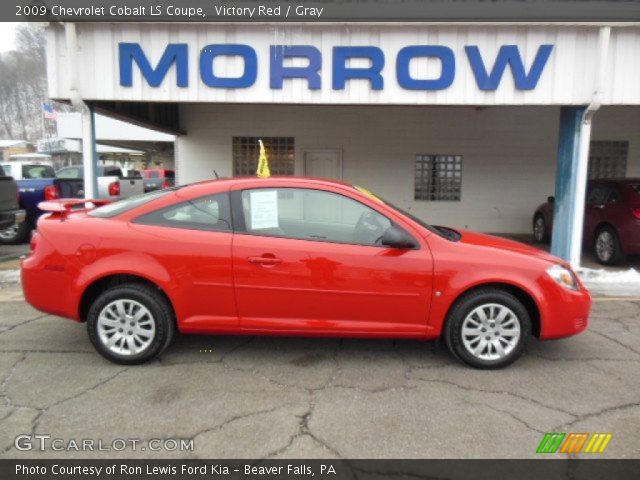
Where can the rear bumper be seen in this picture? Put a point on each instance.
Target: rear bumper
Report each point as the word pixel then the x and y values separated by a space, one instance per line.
pixel 564 312
pixel 11 218
pixel 47 282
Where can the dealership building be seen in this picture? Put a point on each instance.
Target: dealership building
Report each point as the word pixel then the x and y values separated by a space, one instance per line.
pixel 466 125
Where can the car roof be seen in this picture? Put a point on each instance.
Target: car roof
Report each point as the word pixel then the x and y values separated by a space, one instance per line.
pixel 254 181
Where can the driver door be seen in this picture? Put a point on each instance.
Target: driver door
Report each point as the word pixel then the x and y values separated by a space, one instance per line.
pixel 307 260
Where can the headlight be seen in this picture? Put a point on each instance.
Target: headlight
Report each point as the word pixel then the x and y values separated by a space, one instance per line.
pixel 563 276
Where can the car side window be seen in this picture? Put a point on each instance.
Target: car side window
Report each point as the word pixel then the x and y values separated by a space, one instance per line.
pixel 602 195
pixel 210 213
pixel 311 215
pixel 597 195
pixel 612 196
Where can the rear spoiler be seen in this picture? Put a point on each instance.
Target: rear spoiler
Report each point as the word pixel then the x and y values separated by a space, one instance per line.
pixel 63 207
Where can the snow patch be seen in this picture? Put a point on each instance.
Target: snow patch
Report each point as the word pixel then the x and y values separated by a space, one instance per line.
pixel 620 283
pixel 10 276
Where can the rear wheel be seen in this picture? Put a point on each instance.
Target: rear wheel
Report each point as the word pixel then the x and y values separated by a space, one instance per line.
pixel 488 328
pixel 17 234
pixel 130 323
pixel 607 247
pixel 540 233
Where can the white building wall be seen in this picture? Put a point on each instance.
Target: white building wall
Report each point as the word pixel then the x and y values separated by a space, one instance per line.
pixel 620 123
pixel 567 78
pixel 509 153
pixel 508 166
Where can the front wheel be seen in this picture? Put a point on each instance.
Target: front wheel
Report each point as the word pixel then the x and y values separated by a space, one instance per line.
pixel 488 328
pixel 130 323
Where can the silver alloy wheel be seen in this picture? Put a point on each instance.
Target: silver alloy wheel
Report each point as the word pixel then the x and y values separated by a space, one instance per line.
pixel 126 327
pixel 9 233
pixel 539 229
pixel 491 331
pixel 605 245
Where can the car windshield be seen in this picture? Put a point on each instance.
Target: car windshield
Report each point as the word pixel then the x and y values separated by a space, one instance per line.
pixel 636 187
pixel 122 206
pixel 443 232
pixel 31 172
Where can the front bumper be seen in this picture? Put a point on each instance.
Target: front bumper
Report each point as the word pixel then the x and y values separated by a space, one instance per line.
pixel 11 218
pixel 564 312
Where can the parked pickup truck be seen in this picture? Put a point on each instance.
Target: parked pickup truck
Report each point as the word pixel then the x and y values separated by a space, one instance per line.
pixel 158 179
pixel 112 182
pixel 36 182
pixel 11 216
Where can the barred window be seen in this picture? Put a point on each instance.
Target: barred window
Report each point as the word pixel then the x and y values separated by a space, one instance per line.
pixel 608 159
pixel 438 177
pixel 246 151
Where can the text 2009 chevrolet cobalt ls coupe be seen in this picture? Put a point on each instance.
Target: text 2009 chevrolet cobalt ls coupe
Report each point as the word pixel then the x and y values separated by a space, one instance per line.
pixel 291 256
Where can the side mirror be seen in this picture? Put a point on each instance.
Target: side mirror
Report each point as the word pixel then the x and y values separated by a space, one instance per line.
pixel 395 237
pixel 551 199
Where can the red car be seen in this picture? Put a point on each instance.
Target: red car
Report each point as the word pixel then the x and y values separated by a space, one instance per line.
pixel 291 256
pixel 611 220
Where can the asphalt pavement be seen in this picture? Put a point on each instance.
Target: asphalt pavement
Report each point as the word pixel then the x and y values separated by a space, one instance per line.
pixel 258 397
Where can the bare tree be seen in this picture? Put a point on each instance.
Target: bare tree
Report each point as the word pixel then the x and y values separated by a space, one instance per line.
pixel 23 86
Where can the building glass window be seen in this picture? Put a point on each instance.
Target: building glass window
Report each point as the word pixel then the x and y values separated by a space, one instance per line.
pixel 608 159
pixel 438 177
pixel 280 152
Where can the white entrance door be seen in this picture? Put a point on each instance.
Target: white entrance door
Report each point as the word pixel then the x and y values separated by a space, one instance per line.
pixel 323 163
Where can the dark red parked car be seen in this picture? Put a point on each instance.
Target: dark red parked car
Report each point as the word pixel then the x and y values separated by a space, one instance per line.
pixel 611 221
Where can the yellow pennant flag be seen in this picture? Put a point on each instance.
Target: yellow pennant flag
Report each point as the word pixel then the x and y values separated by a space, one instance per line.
pixel 263 163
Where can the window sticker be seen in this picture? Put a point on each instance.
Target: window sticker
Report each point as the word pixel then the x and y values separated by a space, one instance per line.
pixel 264 209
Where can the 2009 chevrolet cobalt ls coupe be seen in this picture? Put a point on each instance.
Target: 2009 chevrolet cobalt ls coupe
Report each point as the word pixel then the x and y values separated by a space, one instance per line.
pixel 291 256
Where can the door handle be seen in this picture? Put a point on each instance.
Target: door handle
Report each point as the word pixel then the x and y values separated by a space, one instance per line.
pixel 264 260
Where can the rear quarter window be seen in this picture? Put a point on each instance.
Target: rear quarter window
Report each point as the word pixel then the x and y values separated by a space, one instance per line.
pixel 122 206
pixel 211 213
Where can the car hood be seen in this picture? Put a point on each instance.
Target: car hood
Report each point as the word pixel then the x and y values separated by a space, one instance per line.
pixel 499 243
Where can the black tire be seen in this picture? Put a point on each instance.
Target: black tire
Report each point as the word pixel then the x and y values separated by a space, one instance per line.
pixel 465 305
pixel 616 255
pixel 540 232
pixel 160 311
pixel 15 236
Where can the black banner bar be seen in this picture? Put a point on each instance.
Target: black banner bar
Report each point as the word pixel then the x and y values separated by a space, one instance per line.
pixel 547 469
pixel 320 10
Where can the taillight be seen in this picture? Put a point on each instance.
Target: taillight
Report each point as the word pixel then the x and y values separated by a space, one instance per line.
pixel 636 212
pixel 166 184
pixel 51 192
pixel 114 189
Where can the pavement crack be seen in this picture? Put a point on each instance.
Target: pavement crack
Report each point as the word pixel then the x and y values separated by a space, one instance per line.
pixel 24 322
pixel 586 416
pixel 235 418
pixel 497 392
pixel 616 341
pixel 3 385
pixel 506 412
